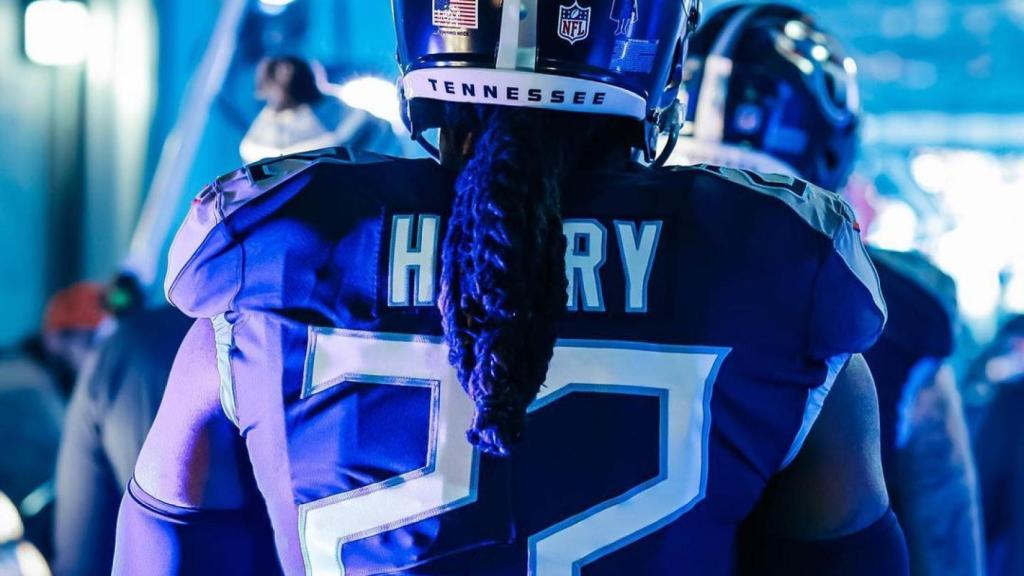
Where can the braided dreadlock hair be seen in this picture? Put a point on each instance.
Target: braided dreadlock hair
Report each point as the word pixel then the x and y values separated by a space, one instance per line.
pixel 503 284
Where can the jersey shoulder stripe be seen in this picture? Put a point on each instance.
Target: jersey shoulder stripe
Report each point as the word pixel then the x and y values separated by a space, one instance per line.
pixel 822 210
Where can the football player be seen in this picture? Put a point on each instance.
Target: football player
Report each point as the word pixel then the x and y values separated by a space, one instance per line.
pixel 770 90
pixel 535 356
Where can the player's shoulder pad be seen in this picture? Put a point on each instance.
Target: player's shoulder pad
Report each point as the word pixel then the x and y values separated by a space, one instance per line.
pixel 205 259
pixel 922 300
pixel 848 312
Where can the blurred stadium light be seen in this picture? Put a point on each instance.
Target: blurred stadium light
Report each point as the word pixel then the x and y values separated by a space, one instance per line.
pixel 30 561
pixel 1000 131
pixel 982 194
pixel 895 226
pixel 57 32
pixel 11 529
pixel 17 557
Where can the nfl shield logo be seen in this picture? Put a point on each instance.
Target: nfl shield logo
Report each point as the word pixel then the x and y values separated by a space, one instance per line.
pixel 573 22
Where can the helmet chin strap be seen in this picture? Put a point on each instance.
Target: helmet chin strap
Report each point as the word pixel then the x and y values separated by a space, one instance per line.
pixel 417 135
pixel 427 146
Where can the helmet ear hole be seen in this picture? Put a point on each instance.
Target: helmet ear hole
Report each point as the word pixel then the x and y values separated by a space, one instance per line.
pixel 836 90
pixel 831 158
pixel 830 88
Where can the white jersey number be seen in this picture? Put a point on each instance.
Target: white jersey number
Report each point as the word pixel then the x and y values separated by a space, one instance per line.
pixel 681 377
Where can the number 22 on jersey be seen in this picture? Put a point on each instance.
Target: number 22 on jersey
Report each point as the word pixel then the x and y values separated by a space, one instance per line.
pixel 680 377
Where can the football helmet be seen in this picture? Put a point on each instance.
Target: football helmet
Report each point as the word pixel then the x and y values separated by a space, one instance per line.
pixel 770 90
pixel 614 57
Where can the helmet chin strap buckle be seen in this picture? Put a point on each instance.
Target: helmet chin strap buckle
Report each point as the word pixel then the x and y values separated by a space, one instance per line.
pixel 669 122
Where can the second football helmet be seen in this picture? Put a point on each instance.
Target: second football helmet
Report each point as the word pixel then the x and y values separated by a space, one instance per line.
pixel 770 90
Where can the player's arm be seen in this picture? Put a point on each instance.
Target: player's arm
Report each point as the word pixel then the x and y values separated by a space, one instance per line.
pixel 828 512
pixel 937 485
pixel 190 508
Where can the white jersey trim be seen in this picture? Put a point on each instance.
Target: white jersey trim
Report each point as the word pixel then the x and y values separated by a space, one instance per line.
pixel 225 340
pixel 812 409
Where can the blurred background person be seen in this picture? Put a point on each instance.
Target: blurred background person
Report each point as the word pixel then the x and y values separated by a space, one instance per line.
pixel 772 91
pixel 35 381
pixel 110 412
pixel 300 116
pixel 998 377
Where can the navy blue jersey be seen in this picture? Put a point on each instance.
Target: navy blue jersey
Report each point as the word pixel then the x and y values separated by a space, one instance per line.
pixel 708 312
pixel 918 337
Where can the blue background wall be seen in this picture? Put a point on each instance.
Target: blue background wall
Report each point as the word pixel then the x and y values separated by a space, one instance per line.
pixel 24 172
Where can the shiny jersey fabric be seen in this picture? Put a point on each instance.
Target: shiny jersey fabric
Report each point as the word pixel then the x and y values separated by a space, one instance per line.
pixel 708 313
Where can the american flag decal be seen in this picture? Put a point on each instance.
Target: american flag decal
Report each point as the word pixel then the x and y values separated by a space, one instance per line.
pixel 456 14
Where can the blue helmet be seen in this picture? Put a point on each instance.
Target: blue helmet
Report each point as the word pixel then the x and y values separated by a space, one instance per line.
pixel 771 91
pixel 614 57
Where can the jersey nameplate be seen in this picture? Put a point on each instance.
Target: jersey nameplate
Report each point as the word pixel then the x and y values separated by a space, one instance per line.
pixel 415 241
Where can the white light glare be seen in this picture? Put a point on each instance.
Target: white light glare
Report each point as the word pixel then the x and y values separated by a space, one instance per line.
pixel 895 227
pixel 56 32
pixel 374 95
pixel 274 7
pixel 930 171
pixel 1013 300
pixel 11 529
pixel 980 192
pixel 796 30
pixel 850 65
pixel 30 560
